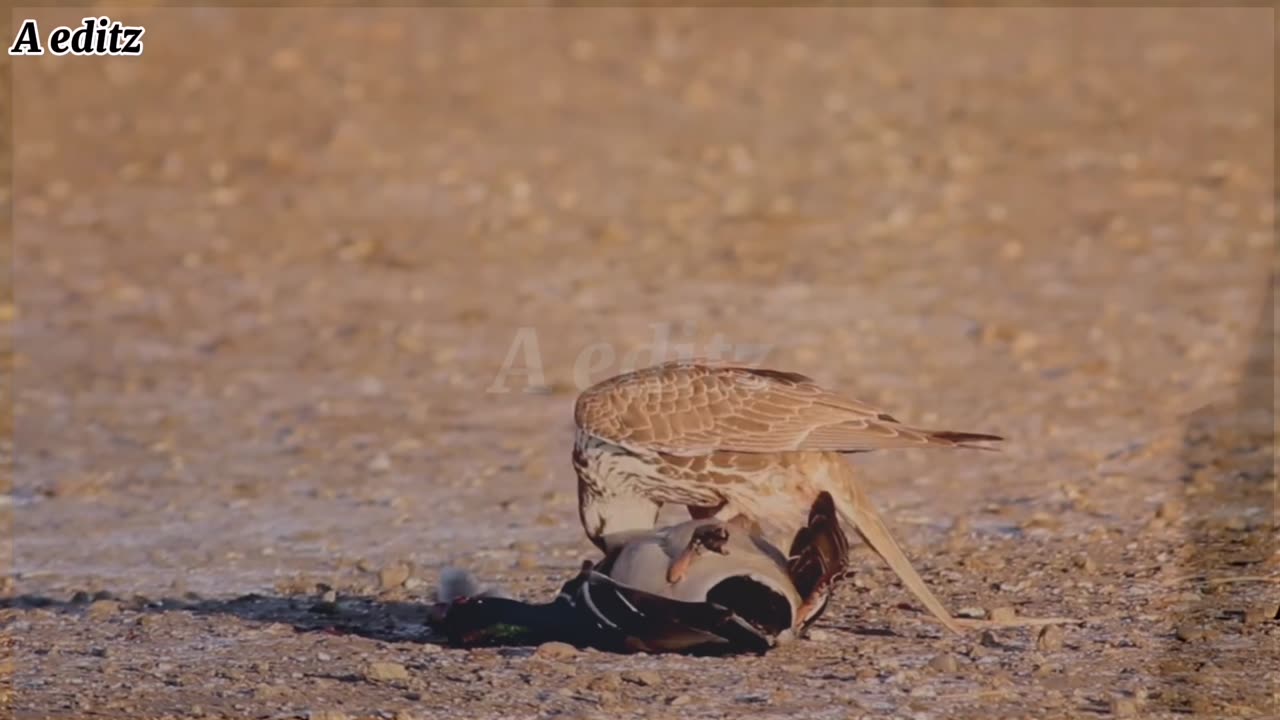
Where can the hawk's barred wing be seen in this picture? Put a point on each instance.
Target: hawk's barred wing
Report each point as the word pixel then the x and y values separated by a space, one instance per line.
pixel 687 408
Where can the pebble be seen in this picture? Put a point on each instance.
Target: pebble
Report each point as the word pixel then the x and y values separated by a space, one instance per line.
pixel 287 59
pixel 555 651
pixel 371 387
pixel 102 609
pixel 327 715
pixel 605 682
pixel 1004 614
pixel 974 613
pixel 385 672
pixel 1025 342
pixel 643 678
pixel 393 576
pixel 380 463
pixel 1050 638
pixel 1123 707
pixel 989 640
pixel 1191 633
pixel 946 662
pixel 678 700
pixel 736 203
pixel 1259 615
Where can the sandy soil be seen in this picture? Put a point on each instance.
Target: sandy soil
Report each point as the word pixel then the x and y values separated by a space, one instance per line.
pixel 267 277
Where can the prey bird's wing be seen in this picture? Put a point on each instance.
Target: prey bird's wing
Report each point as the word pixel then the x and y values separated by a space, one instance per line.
pixel 820 551
pixel 691 408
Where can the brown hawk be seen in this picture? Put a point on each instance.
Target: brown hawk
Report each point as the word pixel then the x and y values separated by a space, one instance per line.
pixel 730 441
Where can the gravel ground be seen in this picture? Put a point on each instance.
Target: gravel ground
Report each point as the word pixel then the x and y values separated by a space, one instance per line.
pixel 268 275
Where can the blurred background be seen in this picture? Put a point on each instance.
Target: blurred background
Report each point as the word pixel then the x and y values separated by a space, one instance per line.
pixel 269 279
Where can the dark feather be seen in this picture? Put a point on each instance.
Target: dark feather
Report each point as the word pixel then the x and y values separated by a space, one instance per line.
pixel 820 551
pixel 644 621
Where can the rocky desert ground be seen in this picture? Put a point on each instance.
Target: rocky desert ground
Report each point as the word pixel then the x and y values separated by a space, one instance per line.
pixel 301 299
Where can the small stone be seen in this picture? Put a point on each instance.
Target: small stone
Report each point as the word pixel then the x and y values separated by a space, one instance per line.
pixel 582 50
pixel 1259 615
pixel 371 386
pixel 225 196
pixel 1004 614
pixel 643 678
pixel 1236 524
pixel 393 576
pixel 327 715
pixel 1124 707
pixel 678 700
pixel 736 203
pixel 741 161
pixel 973 613
pixel 286 59
pixel 268 692
pixel 1087 564
pixel 555 651
pixel 1041 521
pixel 1025 342
pixel 1190 633
pixel 102 609
pixel 385 672
pixel 945 662
pixel 1049 639
pixel 380 463
pixel 606 682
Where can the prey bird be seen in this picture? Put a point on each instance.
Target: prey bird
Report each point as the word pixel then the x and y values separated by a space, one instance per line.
pixel 730 441
pixel 702 586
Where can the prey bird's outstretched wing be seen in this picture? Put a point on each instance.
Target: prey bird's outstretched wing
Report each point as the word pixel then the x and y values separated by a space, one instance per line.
pixel 691 408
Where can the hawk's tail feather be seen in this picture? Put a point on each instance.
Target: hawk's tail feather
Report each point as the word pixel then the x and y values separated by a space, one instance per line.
pixel 967 440
pixel 857 511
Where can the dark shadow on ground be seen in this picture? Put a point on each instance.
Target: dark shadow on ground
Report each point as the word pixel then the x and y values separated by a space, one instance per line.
pixel 385 620
pixel 1228 478
pixel 377 619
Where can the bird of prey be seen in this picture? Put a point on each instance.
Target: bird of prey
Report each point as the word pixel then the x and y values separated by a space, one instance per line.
pixel 726 441
pixel 702 586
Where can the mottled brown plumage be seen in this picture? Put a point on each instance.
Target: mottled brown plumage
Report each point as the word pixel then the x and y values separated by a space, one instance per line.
pixel 732 441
